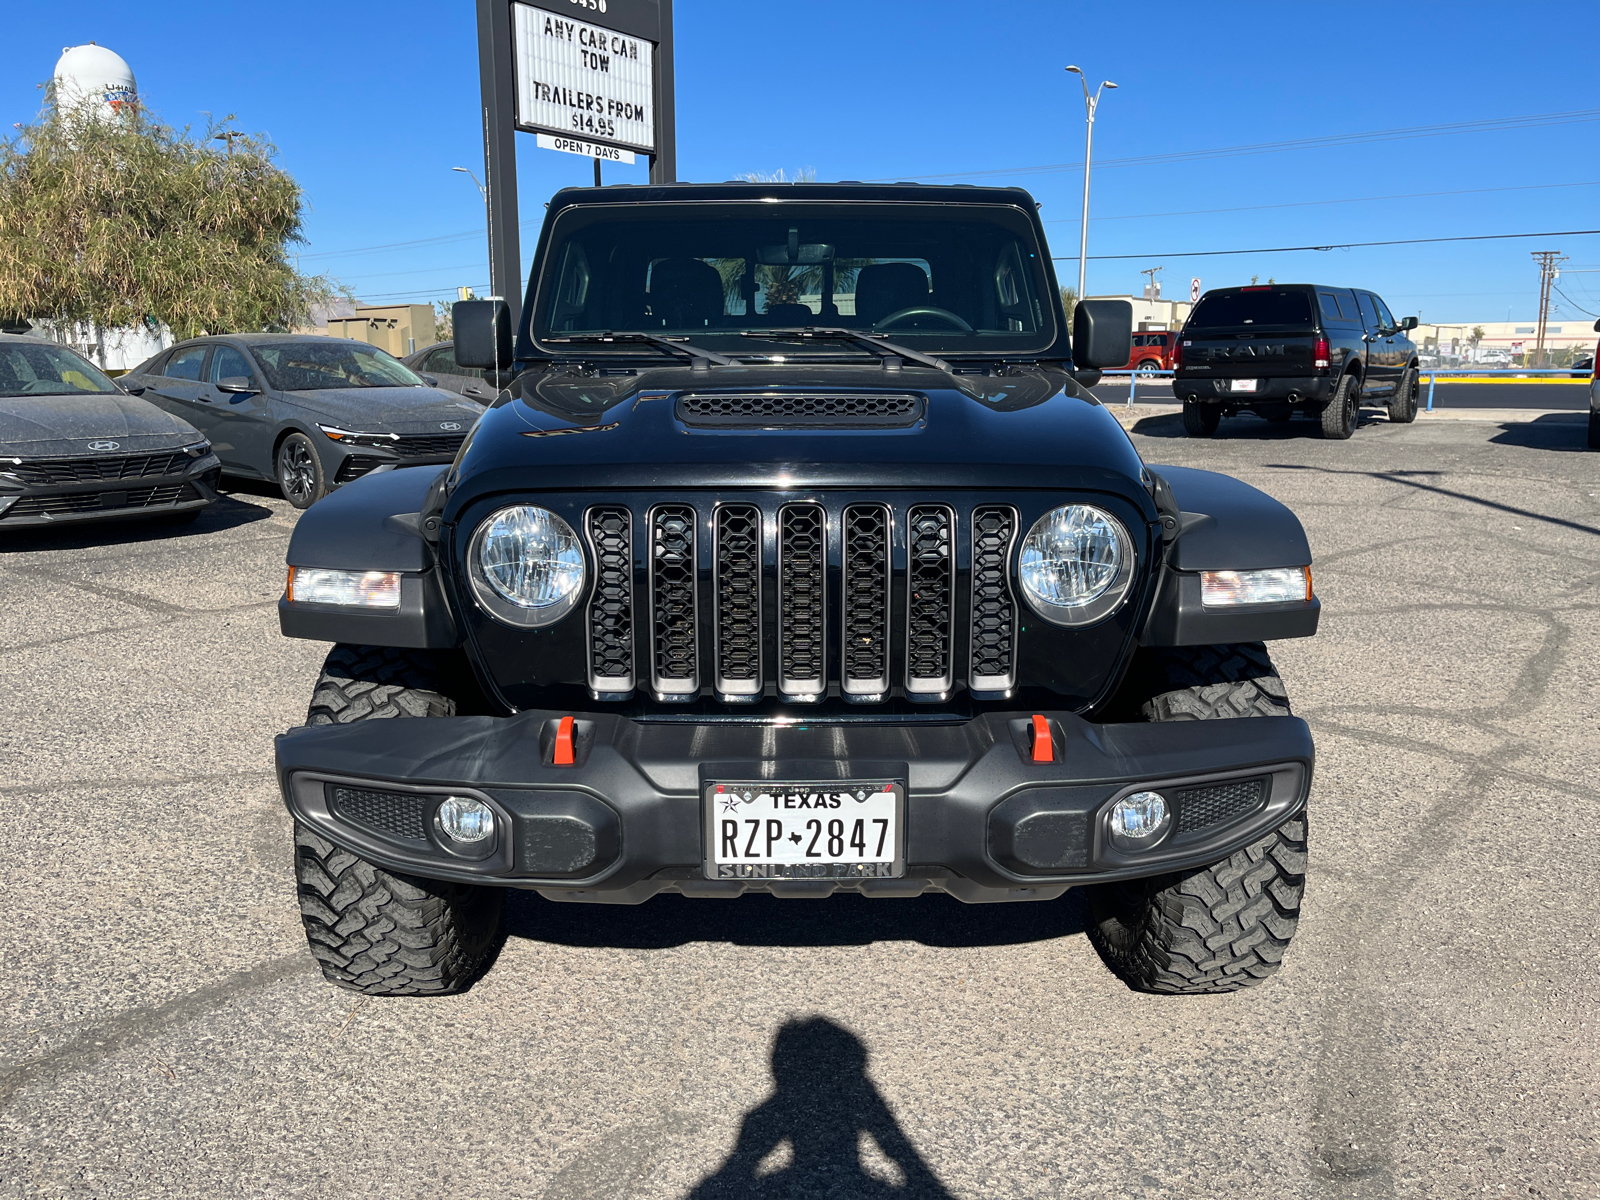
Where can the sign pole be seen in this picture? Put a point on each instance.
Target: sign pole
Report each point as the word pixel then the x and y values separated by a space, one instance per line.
pixel 497 84
pixel 664 162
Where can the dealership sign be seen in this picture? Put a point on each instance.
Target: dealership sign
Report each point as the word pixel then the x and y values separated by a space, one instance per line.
pixel 583 81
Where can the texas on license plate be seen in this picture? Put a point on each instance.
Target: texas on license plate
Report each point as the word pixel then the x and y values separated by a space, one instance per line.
pixel 1245 385
pixel 835 829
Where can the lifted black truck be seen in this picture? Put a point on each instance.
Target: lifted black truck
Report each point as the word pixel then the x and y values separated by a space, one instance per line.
pixel 793 558
pixel 1276 350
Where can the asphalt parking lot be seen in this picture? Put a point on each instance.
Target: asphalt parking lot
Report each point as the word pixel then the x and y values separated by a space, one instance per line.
pixel 1433 1033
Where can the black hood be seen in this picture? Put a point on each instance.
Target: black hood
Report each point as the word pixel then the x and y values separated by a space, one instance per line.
pixel 64 426
pixel 403 410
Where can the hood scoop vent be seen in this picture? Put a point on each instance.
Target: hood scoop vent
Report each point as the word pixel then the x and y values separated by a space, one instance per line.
pixel 789 410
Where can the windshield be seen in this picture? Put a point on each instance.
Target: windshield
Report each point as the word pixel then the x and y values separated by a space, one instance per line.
pixel 46 370
pixel 937 278
pixel 311 366
pixel 1251 307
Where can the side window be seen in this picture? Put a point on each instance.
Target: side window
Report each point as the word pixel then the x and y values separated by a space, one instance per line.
pixel 1369 315
pixel 186 364
pixel 1331 312
pixel 442 361
pixel 227 363
pixel 1383 314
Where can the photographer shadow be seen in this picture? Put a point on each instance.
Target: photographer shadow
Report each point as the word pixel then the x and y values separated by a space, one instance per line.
pixel 823 1107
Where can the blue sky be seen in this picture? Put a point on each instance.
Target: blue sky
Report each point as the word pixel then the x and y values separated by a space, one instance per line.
pixel 371 105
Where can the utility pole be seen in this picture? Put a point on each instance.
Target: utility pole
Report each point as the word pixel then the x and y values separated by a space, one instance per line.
pixel 1090 103
pixel 1549 269
pixel 1152 290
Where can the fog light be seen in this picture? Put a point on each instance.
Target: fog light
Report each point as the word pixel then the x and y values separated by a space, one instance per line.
pixel 463 819
pixel 1138 820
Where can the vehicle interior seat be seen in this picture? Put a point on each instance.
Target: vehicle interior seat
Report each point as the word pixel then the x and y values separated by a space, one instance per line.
pixel 685 293
pixel 884 288
pixel 782 316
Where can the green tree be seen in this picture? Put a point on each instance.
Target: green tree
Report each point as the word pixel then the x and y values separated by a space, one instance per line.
pixel 115 221
pixel 1069 301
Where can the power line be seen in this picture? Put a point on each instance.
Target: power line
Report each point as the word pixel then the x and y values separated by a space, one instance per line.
pixel 1202 212
pixel 1478 237
pixel 1574 303
pixel 443 237
pixel 1575 116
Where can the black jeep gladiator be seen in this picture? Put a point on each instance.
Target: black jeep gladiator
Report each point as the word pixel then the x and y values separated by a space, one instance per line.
pixel 792 557
pixel 1294 347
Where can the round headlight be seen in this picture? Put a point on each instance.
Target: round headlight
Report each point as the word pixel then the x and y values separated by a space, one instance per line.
pixel 1076 564
pixel 526 566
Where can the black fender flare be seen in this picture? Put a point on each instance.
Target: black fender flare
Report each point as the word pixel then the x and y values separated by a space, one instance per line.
pixel 374 523
pixel 1215 522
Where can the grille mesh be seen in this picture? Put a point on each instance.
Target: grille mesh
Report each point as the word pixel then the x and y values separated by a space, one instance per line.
pixel 429 446
pixel 866 596
pixel 1213 803
pixel 395 814
pixel 672 598
pixel 739 596
pixel 355 467
pixel 993 607
pixel 79 502
pixel 611 605
pixel 802 533
pixel 763 409
pixel 93 470
pixel 929 591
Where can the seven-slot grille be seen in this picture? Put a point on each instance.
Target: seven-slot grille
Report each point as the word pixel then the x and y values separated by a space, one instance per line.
pixel 769 613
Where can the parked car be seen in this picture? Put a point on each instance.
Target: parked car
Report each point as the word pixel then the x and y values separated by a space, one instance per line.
pixel 880 601
pixel 1152 350
pixel 1299 347
pixel 1594 396
pixel 311 413
pixel 1583 368
pixel 437 363
pixel 76 447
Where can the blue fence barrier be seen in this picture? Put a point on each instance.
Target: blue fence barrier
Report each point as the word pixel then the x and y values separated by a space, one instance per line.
pixel 1511 376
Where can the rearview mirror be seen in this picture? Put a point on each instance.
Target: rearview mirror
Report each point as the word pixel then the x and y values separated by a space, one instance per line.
pixel 1102 333
pixel 482 333
pixel 239 384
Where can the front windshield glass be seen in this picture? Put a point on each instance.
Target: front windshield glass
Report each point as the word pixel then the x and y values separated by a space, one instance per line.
pixel 940 279
pixel 46 370
pixel 311 366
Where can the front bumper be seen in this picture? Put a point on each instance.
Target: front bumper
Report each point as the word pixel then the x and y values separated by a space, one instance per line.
pixel 103 499
pixel 1311 389
pixel 983 821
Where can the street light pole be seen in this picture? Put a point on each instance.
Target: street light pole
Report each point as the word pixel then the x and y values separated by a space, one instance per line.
pixel 1090 103
pixel 487 216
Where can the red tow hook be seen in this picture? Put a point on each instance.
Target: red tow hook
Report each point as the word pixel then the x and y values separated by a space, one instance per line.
pixel 563 756
pixel 1043 749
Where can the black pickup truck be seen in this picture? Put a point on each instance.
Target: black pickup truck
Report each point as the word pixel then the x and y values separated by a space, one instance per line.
pixel 1294 347
pixel 793 558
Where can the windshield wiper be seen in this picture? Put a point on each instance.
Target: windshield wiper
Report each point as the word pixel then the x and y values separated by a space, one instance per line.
pixel 890 352
pixel 697 354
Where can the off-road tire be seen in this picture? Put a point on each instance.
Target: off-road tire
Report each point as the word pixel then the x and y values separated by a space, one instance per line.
pixel 1226 926
pixel 1403 404
pixel 1339 417
pixel 373 930
pixel 385 934
pixel 1594 430
pixel 1201 420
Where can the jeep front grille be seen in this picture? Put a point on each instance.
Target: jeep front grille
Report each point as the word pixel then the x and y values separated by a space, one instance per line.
pixel 674 612
pixel 746 597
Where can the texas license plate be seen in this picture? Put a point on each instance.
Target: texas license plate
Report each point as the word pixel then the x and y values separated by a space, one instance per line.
pixel 1245 385
pixel 837 829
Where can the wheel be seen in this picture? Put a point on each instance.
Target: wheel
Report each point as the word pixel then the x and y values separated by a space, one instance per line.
pixel 1339 417
pixel 1148 367
pixel 1200 420
pixel 1226 926
pixel 1403 404
pixel 300 471
pixel 1594 430
pixel 372 930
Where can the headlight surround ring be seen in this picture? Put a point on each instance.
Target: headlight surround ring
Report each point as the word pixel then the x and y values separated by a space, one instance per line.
pixel 1076 565
pixel 526 566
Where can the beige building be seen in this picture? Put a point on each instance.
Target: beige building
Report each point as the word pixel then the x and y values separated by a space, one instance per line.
pixel 1500 338
pixel 397 328
pixel 1154 314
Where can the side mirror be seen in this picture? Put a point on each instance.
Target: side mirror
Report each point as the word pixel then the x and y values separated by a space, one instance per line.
pixel 1087 377
pixel 482 333
pixel 133 389
pixel 1408 323
pixel 236 383
pixel 1102 333
pixel 430 380
pixel 1597 326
